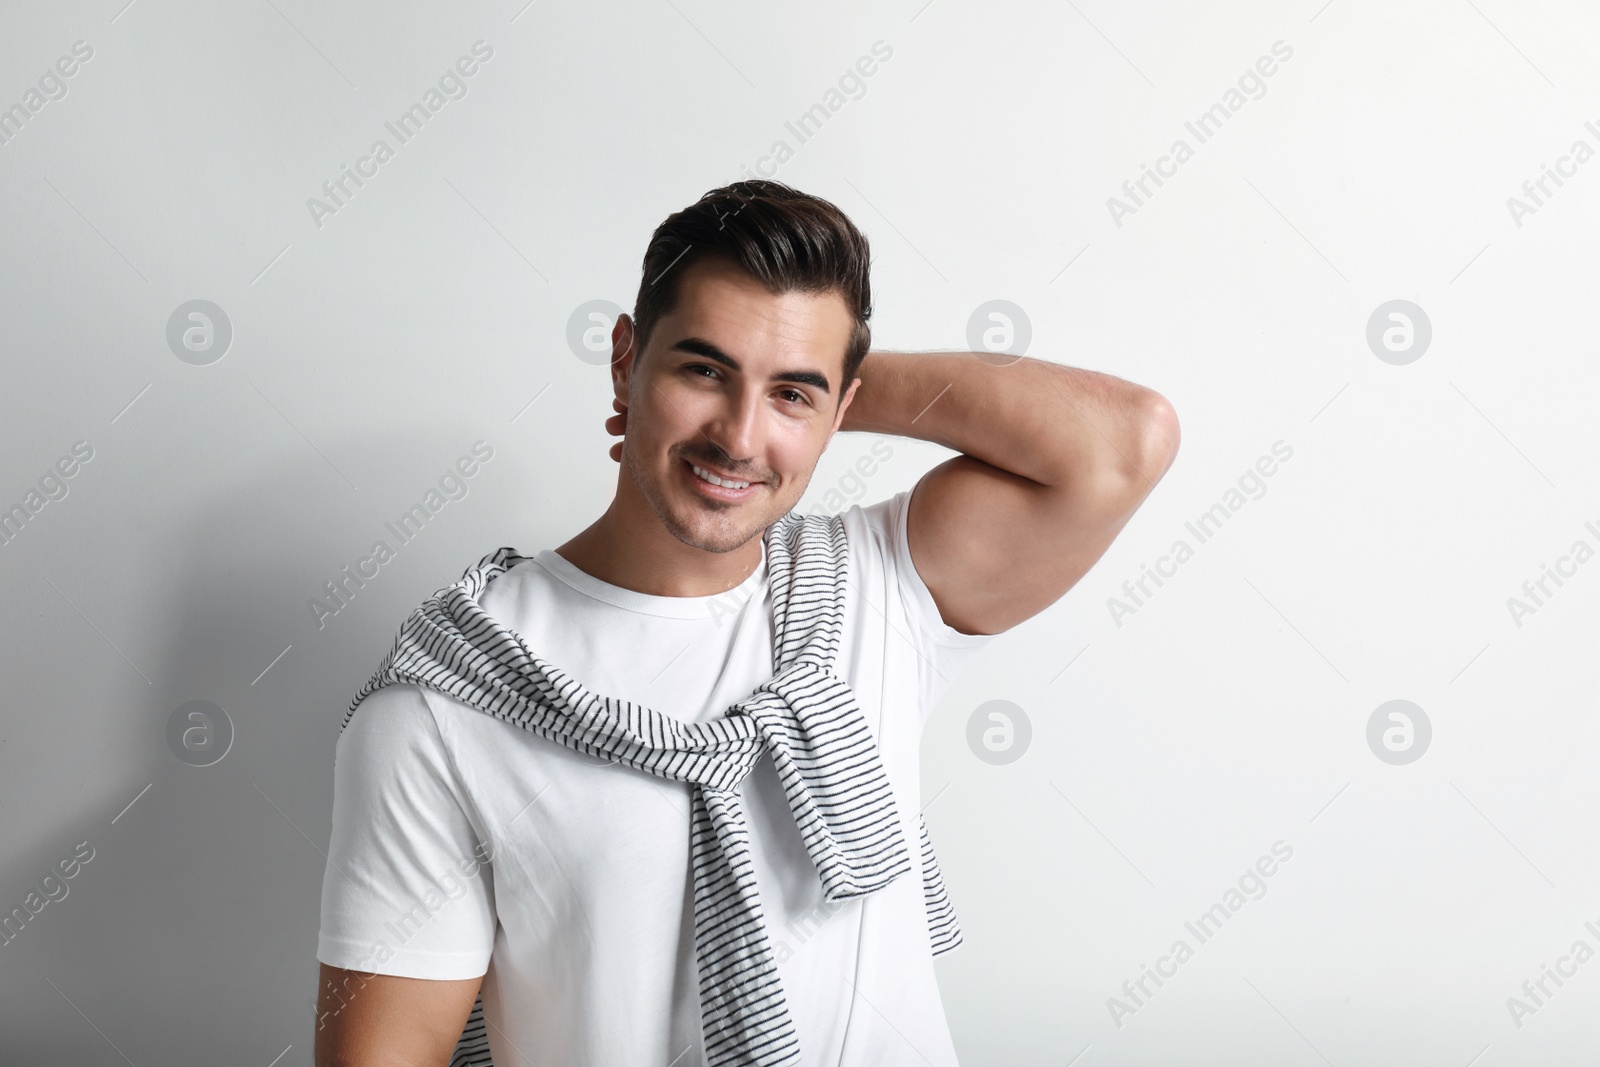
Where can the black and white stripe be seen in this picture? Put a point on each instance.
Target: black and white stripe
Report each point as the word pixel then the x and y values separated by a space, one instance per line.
pixel 805 718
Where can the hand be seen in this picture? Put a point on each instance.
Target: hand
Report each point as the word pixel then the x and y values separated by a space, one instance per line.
pixel 618 425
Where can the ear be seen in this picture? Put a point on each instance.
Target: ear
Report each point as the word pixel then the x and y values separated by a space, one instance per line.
pixel 623 355
pixel 844 405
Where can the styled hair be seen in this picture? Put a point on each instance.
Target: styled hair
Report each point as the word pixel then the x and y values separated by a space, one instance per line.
pixel 785 239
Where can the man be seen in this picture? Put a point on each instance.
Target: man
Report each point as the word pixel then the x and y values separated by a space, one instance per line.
pixel 472 858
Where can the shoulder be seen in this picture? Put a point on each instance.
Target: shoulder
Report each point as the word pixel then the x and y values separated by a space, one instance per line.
pixel 387 711
pixel 396 762
pixel 396 728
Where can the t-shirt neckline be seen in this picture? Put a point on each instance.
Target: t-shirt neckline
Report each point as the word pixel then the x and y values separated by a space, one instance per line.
pixel 672 607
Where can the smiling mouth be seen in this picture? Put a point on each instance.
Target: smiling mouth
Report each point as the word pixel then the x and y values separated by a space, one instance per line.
pixel 720 486
pixel 720 479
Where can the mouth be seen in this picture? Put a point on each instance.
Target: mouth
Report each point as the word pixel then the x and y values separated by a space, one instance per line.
pixel 732 490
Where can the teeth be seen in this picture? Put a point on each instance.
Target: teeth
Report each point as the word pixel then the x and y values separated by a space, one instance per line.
pixel 714 480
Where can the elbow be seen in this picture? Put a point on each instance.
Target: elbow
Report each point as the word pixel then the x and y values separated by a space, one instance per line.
pixel 1145 451
pixel 1159 438
pixel 1122 457
pixel 1135 460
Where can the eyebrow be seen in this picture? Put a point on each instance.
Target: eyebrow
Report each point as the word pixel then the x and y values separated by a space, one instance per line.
pixel 701 347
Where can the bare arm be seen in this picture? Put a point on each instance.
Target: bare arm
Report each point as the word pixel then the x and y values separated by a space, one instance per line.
pixel 1055 461
pixel 380 1020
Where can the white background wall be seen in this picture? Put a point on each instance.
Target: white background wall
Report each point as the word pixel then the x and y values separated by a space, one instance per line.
pixel 1168 752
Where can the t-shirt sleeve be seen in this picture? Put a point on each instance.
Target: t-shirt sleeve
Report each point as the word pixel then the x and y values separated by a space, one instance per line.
pixel 407 890
pixel 942 651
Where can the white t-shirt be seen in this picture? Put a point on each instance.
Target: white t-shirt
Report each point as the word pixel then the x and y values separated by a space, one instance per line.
pixel 583 920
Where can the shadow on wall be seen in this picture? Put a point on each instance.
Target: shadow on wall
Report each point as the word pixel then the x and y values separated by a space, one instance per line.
pixel 189 936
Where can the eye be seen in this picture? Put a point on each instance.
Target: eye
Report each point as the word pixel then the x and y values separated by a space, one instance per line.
pixel 699 366
pixel 798 395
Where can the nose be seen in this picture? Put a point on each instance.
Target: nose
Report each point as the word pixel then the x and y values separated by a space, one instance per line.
pixel 735 434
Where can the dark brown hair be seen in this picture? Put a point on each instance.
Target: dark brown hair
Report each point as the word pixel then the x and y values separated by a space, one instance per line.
pixel 785 239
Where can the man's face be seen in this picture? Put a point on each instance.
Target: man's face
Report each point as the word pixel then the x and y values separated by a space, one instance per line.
pixel 738 382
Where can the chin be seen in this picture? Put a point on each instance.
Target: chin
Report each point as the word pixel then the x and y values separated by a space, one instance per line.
pixel 722 522
pixel 720 530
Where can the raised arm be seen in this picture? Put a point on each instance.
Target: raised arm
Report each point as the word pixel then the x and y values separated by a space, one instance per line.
pixel 1055 460
pixel 380 1020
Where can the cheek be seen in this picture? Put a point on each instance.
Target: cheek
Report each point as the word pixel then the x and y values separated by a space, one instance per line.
pixel 660 418
pixel 794 454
